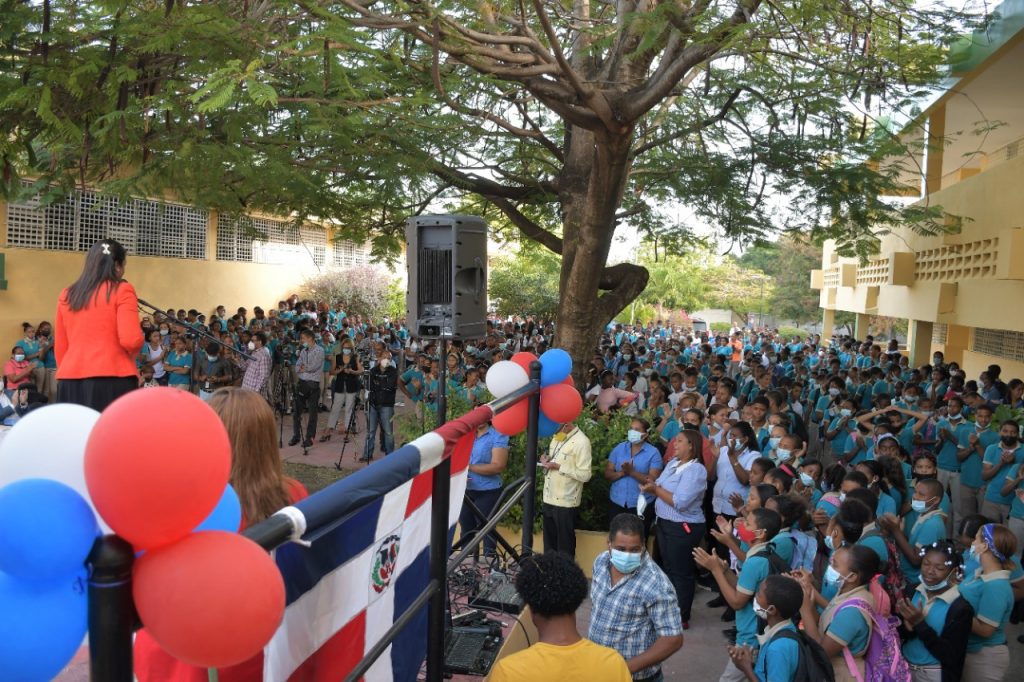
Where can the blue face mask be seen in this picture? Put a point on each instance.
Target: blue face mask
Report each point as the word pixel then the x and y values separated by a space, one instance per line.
pixel 937 586
pixel 971 562
pixel 626 562
pixel 918 505
pixel 634 436
pixel 773 443
pixel 783 454
pixel 807 479
pixel 830 544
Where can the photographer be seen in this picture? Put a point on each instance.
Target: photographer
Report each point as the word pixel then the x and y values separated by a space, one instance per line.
pixel 309 368
pixel 382 382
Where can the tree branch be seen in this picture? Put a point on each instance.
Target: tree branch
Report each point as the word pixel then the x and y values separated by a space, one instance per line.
pixel 527 227
pixel 699 125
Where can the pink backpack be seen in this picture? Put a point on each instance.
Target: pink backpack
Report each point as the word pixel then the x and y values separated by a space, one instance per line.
pixel 883 660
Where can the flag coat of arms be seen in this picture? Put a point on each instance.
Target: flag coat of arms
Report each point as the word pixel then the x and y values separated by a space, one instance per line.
pixel 362 572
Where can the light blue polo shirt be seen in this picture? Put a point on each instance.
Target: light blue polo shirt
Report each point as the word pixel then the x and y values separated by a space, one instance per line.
pixel 992 456
pixel 779 658
pixel 755 570
pixel 850 627
pixel 970 468
pixel 929 528
pixel 935 611
pixel 991 597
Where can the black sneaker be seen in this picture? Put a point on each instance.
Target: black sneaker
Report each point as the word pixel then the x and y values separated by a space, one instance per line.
pixel 729 616
pixel 717 602
pixel 294 441
pixel 307 444
pixel 730 634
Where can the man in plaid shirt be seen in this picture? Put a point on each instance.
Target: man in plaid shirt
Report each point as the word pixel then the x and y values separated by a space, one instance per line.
pixel 634 608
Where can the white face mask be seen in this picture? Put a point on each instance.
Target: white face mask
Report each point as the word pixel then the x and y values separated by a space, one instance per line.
pixel 252 345
pixel 385 363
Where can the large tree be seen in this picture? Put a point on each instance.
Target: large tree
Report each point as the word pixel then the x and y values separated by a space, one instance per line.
pixel 571 119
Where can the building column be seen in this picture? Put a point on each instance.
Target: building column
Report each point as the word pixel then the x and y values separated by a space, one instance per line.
pixel 860 326
pixel 935 143
pixel 958 340
pixel 919 342
pixel 828 324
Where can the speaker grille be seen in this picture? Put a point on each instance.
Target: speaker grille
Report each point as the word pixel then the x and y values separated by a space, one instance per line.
pixel 435 276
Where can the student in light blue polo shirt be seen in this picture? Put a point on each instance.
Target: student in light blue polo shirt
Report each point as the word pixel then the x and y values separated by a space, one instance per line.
pixel 990 594
pixel 999 460
pixel 938 618
pixel 777 601
pixel 930 527
pixel 483 482
pixel 973 440
pixel 631 463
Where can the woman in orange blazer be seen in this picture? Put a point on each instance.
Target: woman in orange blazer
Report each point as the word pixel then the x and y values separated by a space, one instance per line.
pixel 97 329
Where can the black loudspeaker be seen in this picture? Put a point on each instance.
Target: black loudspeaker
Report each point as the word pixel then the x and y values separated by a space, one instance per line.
pixel 447 260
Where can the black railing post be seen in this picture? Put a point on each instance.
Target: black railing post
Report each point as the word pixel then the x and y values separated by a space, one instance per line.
pixel 530 465
pixel 111 610
pixel 440 491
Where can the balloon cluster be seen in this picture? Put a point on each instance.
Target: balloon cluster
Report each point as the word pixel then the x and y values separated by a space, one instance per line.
pixel 560 402
pixel 154 469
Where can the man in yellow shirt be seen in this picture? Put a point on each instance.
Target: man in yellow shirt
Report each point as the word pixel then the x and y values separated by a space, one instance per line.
pixel 553 586
pixel 566 468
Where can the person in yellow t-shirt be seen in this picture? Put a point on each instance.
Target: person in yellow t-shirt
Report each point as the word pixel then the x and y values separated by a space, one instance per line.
pixel 553 586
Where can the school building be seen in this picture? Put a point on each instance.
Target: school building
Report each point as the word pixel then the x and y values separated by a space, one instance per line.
pixel 179 256
pixel 962 292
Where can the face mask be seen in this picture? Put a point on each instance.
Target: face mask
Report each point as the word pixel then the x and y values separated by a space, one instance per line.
pixel 1009 441
pixel 560 436
pixel 164 332
pixel 829 543
pixel 924 477
pixel 634 436
pixel 783 454
pixel 979 427
pixel 19 357
pixel 252 345
pixel 937 586
pixel 910 399
pixel 834 392
pixel 807 480
pixel 773 443
pixel 748 536
pixel 760 611
pixel 918 505
pixel 212 358
pixel 832 577
pixel 626 562
pixel 955 417
pixel 845 412
pixel 43 334
pixel 641 504
pixel 346 351
pixel 627 356
pixel 842 497
pixel 385 363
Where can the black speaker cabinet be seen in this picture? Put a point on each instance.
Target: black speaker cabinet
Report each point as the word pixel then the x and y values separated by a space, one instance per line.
pixel 447 259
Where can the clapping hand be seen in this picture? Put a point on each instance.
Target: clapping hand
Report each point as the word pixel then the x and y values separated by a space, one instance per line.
pixel 911 614
pixel 648 486
pixel 710 562
pixel 742 657
pixel 736 500
pixel 627 468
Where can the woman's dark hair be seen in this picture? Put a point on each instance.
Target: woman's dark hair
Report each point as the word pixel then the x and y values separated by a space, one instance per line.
pixel 25 326
pixel 767 520
pixel 785 594
pixel 551 584
pixel 792 509
pixel 779 474
pixel 876 470
pixel 851 518
pixel 101 263
pixel 833 476
pixel 747 432
pixel 765 492
pixel 696 442
pixel 865 562
pixel 893 470
pixel 970 524
pixel 866 496
pixel 947 548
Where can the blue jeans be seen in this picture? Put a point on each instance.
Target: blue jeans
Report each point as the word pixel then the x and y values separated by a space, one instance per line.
pixel 379 415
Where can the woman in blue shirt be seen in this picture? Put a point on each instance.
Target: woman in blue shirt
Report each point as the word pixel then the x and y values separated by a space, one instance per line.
pixel 937 618
pixel 178 364
pixel 483 483
pixel 989 593
pixel 679 494
pixel 629 465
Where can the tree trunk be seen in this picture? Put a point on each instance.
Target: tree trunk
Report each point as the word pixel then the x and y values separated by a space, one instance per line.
pixel 592 183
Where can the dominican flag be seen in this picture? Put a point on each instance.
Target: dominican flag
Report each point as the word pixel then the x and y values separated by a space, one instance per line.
pixel 363 571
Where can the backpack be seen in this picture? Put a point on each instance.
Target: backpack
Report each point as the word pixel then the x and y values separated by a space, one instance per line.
pixel 883 660
pixel 776 564
pixel 814 664
pixel 894 582
pixel 804 550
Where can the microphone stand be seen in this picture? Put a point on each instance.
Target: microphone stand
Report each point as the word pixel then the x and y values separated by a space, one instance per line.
pixel 151 309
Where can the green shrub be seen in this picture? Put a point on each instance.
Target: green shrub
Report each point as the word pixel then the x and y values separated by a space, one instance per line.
pixel 793 331
pixel 720 327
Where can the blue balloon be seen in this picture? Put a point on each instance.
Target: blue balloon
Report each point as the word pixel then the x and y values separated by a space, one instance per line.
pixel 47 530
pixel 555 366
pixel 42 625
pixel 227 515
pixel 545 427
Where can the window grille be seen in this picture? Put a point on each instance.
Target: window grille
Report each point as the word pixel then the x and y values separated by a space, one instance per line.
pixel 939 332
pixel 81 218
pixel 348 254
pixel 270 242
pixel 1000 343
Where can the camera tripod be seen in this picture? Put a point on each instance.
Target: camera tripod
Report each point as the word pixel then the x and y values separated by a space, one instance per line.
pixel 349 429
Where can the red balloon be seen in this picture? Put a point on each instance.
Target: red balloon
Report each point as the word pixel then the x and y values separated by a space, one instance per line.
pixel 568 381
pixel 513 420
pixel 156 464
pixel 561 403
pixel 523 359
pixel 213 599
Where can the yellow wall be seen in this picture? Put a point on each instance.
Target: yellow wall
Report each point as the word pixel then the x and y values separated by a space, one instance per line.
pixel 976 363
pixel 36 277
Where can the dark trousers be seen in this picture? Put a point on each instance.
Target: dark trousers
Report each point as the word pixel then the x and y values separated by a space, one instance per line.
pixel 484 500
pixel 307 399
pixel 616 509
pixel 560 529
pixel 677 547
pixel 97 392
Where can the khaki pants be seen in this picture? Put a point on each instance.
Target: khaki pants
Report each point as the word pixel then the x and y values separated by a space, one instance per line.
pixel 49 387
pixel 970 501
pixel 1016 527
pixel 987 665
pixel 951 480
pixel 734 674
pixel 926 673
pixel 995 511
pixel 842 670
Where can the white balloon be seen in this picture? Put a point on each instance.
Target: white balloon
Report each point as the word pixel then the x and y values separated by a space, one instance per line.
pixel 50 443
pixel 504 377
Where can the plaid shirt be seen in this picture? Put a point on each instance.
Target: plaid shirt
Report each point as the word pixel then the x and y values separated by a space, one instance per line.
pixel 630 615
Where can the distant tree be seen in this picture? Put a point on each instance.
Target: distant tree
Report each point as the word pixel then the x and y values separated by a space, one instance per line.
pixel 788 262
pixel 525 283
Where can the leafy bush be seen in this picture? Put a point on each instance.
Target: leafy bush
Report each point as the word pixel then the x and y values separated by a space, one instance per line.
pixel 362 290
pixel 793 331
pixel 720 327
pixel 1006 413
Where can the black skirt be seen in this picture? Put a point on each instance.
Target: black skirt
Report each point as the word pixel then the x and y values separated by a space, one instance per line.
pixel 95 392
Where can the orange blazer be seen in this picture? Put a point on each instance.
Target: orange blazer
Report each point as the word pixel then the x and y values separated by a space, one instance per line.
pixel 100 340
